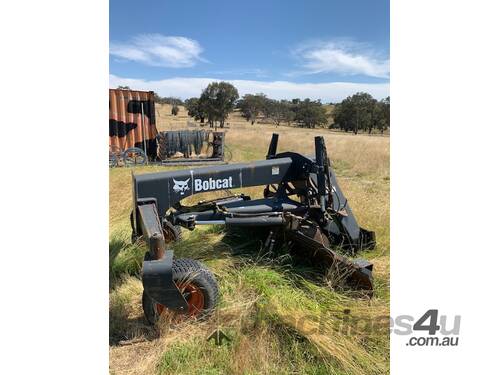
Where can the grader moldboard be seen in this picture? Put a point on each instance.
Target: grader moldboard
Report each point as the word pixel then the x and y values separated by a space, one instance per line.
pixel 302 200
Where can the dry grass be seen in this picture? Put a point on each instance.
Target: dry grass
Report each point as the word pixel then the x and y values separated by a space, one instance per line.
pixel 281 320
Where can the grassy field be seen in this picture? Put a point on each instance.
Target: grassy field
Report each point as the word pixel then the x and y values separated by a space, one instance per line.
pixel 281 318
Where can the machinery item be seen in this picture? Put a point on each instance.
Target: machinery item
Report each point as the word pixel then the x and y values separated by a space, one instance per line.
pixel 218 145
pixel 194 145
pixel 134 156
pixel 114 156
pixel 301 199
pixel 196 283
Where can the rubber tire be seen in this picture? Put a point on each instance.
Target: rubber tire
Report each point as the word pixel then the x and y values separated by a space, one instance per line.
pixel 136 150
pixel 199 275
pixel 174 230
pixel 113 161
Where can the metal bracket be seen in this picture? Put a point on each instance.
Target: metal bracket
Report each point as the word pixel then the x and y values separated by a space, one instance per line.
pixel 159 285
pixel 157 277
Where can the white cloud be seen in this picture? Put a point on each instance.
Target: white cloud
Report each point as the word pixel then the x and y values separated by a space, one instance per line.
pixel 340 57
pixel 159 50
pixel 189 87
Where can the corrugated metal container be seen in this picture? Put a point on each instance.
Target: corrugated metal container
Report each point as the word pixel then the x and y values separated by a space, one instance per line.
pixel 132 120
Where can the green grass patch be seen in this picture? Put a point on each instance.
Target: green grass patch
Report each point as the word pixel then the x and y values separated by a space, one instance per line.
pixel 281 316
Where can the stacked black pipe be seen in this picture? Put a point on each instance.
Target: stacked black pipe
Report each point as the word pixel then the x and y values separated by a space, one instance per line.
pixel 184 141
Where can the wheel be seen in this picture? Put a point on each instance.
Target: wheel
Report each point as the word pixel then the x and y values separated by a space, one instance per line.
pixel 196 283
pixel 172 233
pixel 113 161
pixel 114 156
pixel 134 156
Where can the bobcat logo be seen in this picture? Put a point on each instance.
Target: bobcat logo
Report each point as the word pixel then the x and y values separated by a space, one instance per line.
pixel 181 186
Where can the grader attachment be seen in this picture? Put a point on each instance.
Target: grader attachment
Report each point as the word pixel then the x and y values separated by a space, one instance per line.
pixel 301 199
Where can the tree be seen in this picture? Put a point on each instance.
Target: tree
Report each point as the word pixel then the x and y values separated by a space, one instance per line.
pixel 310 113
pixel 356 112
pixel 194 108
pixel 123 88
pixel 385 109
pixel 251 106
pixel 218 100
pixel 294 106
pixel 279 111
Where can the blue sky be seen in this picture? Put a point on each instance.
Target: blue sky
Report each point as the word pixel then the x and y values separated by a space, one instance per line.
pixel 319 49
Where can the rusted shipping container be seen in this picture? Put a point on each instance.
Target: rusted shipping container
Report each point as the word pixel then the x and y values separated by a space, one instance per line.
pixel 132 120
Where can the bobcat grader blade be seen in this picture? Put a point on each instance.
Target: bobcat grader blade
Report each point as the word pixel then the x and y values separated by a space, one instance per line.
pixel 301 199
pixel 354 273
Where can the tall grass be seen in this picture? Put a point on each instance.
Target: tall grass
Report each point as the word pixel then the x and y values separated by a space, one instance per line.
pixel 281 319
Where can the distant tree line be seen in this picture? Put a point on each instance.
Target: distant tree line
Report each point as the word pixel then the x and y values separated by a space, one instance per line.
pixel 168 100
pixel 361 112
pixel 357 113
pixel 219 99
pixel 304 113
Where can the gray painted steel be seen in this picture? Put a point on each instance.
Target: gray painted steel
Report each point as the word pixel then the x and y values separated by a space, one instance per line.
pixel 161 185
pixel 306 203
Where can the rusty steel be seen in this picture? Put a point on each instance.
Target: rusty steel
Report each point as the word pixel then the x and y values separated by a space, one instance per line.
pixel 132 120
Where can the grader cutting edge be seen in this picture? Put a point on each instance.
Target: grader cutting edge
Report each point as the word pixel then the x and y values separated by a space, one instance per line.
pixel 301 202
